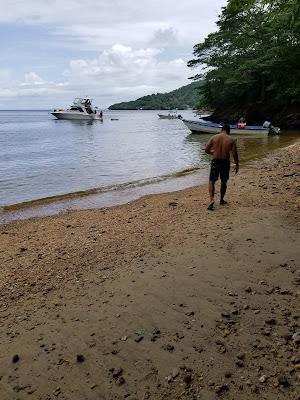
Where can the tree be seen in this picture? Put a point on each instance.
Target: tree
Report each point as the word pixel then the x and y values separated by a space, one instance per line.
pixel 252 61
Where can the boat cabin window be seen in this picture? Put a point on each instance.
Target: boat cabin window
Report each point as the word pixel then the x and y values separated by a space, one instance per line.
pixel 74 108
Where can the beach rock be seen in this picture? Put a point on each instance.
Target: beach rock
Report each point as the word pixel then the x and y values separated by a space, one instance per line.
pixel 187 377
pixel 225 314
pixel 169 347
pixel 120 381
pixel 296 278
pixel 240 364
pixel 175 372
pixel 116 372
pixel 138 339
pixel 15 358
pixel 283 381
pixel 221 388
pixel 80 358
pixel 263 379
pixel 270 321
pixel 296 338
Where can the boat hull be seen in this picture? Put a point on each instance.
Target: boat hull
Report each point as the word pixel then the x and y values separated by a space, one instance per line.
pixel 161 116
pixel 209 128
pixel 76 116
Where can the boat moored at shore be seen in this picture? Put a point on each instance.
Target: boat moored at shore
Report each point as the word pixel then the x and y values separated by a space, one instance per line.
pixel 81 109
pixel 170 115
pixel 207 127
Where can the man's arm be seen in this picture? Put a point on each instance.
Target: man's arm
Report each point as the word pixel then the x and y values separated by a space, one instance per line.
pixel 235 156
pixel 209 146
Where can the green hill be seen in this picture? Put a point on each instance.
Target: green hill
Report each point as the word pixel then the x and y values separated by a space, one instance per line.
pixel 182 98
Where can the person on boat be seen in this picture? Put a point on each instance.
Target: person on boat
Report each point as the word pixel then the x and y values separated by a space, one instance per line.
pixel 220 146
pixel 241 123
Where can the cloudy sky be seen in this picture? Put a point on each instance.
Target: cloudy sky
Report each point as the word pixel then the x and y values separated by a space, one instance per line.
pixel 111 50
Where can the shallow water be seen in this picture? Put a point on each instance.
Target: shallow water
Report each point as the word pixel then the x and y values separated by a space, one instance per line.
pixel 72 164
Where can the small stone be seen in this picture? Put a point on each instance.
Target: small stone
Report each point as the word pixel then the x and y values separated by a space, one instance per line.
pixel 139 339
pixel 239 364
pixel 221 388
pixel 296 338
pixel 169 347
pixel 80 358
pixel 241 356
pixel 175 372
pixel 190 313
pixel 263 379
pixel 248 289
pixel 15 358
pixel 225 314
pixel 228 374
pixel 267 331
pixel 271 321
pixel 187 378
pixel 120 381
pixel 283 381
pixel 116 372
pixel 57 391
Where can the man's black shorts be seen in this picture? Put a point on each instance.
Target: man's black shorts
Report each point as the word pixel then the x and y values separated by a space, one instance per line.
pixel 219 167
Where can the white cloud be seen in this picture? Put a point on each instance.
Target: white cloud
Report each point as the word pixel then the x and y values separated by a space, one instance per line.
pixel 123 67
pixel 113 50
pixel 105 22
pixel 120 73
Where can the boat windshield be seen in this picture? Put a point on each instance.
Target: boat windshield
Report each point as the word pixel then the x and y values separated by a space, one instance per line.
pixel 75 108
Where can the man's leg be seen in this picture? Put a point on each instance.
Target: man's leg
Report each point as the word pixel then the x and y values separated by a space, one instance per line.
pixel 223 192
pixel 211 189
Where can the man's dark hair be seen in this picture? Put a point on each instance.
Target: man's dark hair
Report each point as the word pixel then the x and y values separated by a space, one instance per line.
pixel 226 128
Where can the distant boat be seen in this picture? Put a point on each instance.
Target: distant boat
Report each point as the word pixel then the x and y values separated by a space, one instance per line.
pixel 81 109
pixel 170 115
pixel 201 126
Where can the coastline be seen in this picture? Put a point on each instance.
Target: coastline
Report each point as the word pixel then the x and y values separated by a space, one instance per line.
pixel 200 289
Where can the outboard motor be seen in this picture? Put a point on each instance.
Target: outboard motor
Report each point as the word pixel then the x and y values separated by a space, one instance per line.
pixel 273 130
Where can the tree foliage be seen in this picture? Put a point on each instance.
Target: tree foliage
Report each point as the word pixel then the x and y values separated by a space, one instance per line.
pixel 182 98
pixel 253 58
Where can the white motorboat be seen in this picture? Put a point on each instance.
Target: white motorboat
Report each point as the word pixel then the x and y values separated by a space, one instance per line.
pixel 170 115
pixel 202 126
pixel 81 109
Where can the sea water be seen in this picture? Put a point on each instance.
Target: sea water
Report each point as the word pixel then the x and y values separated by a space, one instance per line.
pixel 84 164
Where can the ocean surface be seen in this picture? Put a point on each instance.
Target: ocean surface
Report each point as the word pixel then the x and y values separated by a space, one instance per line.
pixel 72 164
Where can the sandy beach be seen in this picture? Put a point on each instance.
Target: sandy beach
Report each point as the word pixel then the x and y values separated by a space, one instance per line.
pixel 159 298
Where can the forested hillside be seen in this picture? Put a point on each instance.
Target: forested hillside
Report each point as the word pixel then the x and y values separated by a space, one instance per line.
pixel 185 97
pixel 253 62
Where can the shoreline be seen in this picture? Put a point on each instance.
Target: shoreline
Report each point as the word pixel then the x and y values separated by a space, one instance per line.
pixel 117 194
pixel 177 301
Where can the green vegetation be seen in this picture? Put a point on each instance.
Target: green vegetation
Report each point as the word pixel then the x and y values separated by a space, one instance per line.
pixel 182 98
pixel 252 62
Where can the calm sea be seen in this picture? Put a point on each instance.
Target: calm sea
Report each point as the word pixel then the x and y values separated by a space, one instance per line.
pixel 108 163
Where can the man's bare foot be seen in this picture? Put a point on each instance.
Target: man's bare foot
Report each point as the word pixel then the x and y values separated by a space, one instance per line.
pixel 223 202
pixel 211 207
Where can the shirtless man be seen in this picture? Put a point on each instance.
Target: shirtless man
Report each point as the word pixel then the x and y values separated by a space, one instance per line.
pixel 220 146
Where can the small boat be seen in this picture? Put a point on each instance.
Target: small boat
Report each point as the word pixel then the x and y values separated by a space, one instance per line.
pixel 170 115
pixel 202 126
pixel 81 109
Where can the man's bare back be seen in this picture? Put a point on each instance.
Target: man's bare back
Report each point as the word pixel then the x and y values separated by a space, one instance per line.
pixel 220 146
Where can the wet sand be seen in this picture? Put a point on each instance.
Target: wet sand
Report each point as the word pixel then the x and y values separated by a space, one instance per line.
pixel 159 298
